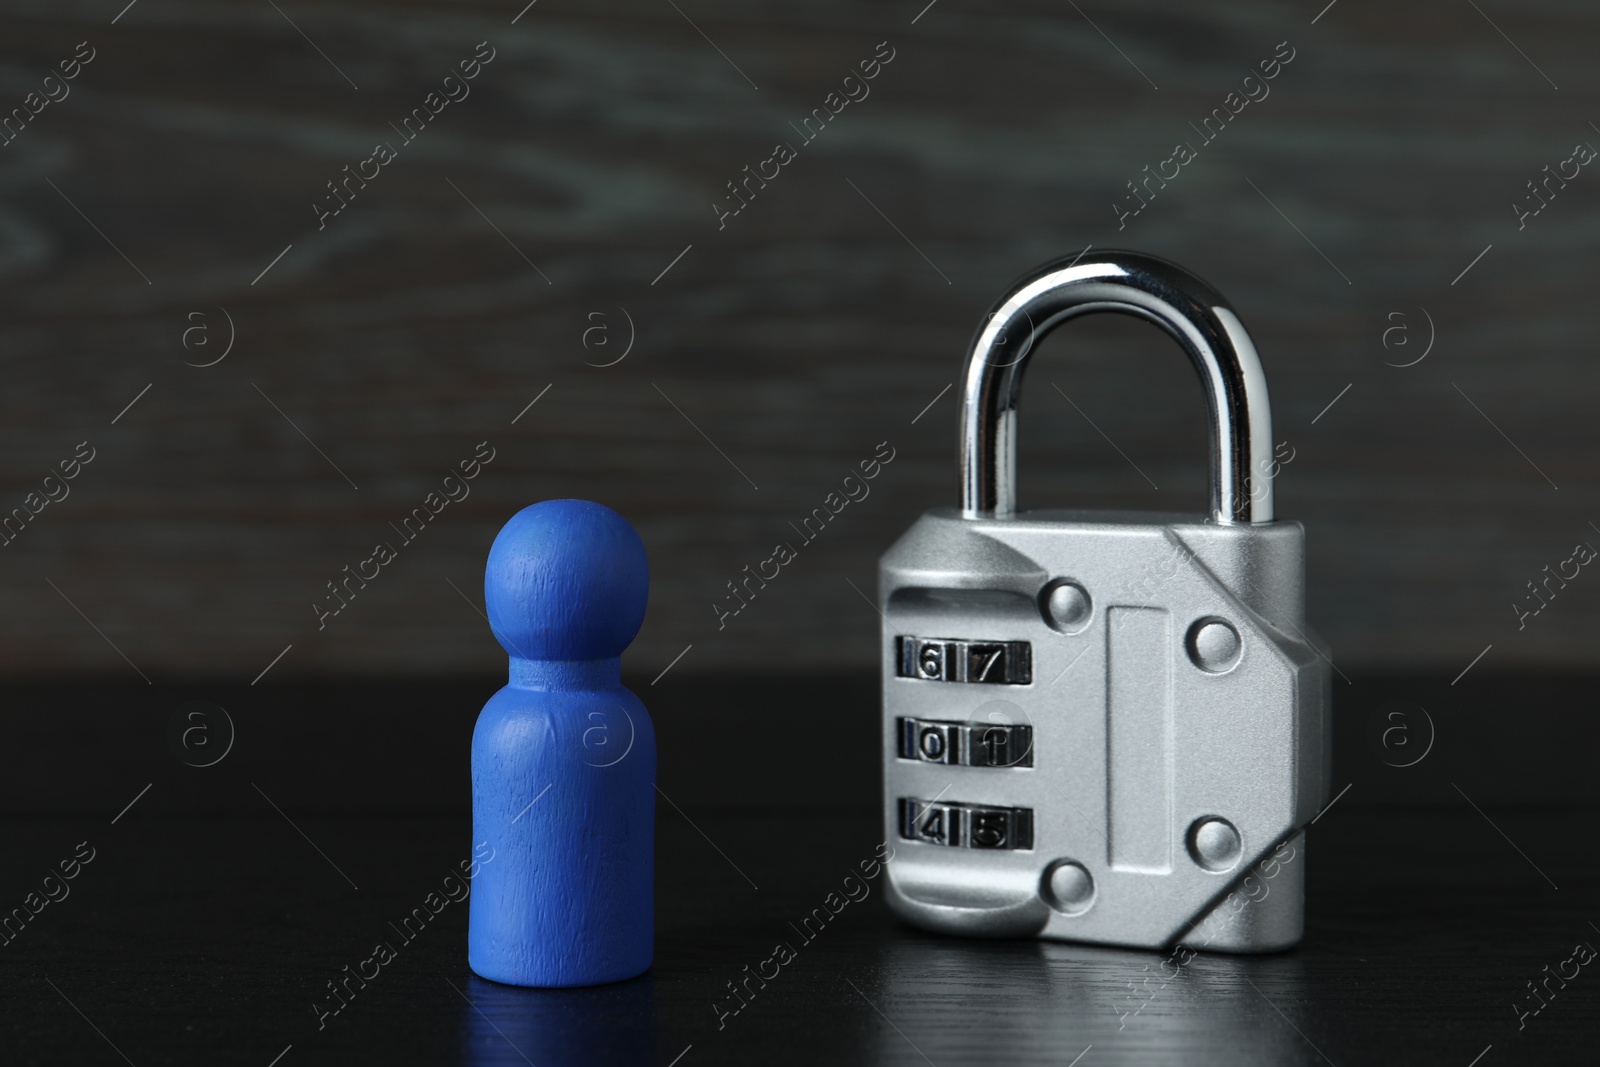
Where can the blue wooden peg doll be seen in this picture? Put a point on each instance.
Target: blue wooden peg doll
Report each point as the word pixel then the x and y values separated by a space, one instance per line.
pixel 564 758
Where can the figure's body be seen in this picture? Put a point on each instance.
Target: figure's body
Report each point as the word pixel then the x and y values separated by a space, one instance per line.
pixel 564 757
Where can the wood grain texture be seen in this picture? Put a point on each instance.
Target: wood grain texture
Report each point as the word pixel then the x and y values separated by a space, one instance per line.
pixel 564 757
pixel 1422 932
pixel 207 928
pixel 780 350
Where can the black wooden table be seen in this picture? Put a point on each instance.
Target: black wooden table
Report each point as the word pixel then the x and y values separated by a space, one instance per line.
pixel 214 941
pixel 220 902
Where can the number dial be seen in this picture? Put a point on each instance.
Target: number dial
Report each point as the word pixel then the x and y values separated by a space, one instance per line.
pixel 965 825
pixel 967 744
pixel 938 659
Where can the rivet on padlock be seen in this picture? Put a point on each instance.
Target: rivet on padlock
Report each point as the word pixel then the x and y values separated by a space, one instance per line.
pixel 1067 605
pixel 1170 731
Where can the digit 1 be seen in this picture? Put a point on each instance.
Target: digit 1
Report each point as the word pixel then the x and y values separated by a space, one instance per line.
pixel 994 745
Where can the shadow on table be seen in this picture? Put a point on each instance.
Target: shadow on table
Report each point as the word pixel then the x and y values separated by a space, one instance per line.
pixel 594 1027
pixel 961 1002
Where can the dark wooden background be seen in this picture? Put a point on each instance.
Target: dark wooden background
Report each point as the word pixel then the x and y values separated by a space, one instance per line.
pixel 797 338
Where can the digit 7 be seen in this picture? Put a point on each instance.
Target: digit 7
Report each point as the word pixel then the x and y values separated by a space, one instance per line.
pixel 995 654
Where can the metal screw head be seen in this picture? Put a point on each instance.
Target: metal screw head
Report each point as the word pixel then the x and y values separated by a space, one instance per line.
pixel 1215 844
pixel 1069 888
pixel 1214 646
pixel 1067 606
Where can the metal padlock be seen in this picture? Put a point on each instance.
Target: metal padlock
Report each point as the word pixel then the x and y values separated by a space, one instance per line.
pixel 1104 726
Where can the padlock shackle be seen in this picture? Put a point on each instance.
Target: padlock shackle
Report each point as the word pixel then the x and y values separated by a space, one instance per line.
pixel 1131 283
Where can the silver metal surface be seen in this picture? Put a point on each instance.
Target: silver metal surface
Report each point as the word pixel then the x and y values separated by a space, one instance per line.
pixel 1177 701
pixel 1070 888
pixel 1214 645
pixel 1068 605
pixel 1132 283
pixel 1215 844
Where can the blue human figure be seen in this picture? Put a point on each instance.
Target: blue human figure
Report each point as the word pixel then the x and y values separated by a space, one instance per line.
pixel 564 757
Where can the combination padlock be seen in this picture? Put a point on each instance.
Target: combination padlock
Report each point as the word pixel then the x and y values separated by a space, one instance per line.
pixel 1104 726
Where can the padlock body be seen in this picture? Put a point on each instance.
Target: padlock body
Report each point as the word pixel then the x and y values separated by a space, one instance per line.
pixel 1101 727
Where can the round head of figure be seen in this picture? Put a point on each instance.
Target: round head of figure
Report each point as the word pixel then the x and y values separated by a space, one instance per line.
pixel 566 580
